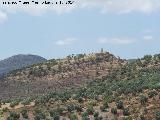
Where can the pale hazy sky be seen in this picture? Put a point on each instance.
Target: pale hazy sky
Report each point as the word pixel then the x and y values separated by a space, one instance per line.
pixel 126 28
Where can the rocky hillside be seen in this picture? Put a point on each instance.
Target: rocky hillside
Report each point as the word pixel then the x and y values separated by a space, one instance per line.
pixel 128 92
pixel 18 62
pixel 72 71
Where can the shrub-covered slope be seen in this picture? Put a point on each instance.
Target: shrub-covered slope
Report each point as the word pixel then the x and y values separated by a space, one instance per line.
pixel 60 74
pixel 131 92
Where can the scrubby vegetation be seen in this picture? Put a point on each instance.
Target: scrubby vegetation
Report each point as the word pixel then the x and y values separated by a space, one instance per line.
pixel 129 92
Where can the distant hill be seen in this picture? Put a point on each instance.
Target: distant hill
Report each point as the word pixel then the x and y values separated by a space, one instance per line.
pixel 131 60
pixel 18 62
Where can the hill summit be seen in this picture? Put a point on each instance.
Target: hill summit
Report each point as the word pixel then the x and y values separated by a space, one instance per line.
pixel 58 74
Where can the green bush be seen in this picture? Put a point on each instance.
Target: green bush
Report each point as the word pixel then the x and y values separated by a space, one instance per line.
pixel 114 110
pixel 80 100
pixel 126 112
pixel 90 110
pixel 54 114
pixel 92 103
pixel 85 118
pixel 104 107
pixel 1 113
pixel 70 107
pixel 56 117
pixel 79 108
pixel 120 105
pixel 109 99
pixel 105 104
pixel 42 100
pixel 5 109
pixel 60 110
pixel 73 117
pixel 143 99
pixel 39 115
pixel 13 116
pixel 14 103
pixel 26 101
pixel 84 114
pixel 158 116
pixel 142 117
pixel 96 114
pixel 128 118
pixel 24 113
pixel 151 94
